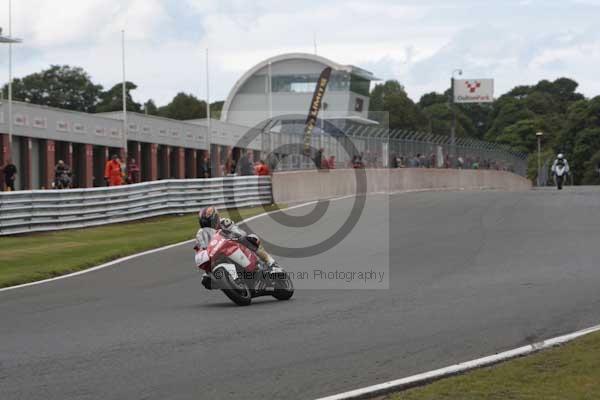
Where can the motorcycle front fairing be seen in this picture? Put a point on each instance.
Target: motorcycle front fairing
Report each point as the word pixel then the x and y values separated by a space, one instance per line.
pixel 211 246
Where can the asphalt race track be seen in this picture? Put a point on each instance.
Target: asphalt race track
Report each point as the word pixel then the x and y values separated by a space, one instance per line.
pixel 471 274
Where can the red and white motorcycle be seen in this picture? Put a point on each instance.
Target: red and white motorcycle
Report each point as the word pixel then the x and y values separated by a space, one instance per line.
pixel 232 266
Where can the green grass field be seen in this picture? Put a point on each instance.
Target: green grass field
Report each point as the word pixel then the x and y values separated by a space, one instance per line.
pixel 33 257
pixel 568 372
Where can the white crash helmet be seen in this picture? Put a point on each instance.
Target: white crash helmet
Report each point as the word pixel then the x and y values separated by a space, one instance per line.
pixel 560 156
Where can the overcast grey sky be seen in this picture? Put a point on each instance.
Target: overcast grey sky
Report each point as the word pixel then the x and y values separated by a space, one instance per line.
pixel 417 42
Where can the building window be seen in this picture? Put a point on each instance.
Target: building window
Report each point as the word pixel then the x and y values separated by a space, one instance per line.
pixel 358 104
pixel 360 85
pixel 306 83
pixel 295 83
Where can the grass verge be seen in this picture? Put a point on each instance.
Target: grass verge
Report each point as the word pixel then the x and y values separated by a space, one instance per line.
pixel 571 371
pixel 38 256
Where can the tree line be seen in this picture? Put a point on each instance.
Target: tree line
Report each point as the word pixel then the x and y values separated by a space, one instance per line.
pixel 569 120
pixel 71 88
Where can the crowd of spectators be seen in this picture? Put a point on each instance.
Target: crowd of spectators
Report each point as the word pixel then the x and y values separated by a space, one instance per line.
pixel 117 172
pixel 370 159
pixel 422 161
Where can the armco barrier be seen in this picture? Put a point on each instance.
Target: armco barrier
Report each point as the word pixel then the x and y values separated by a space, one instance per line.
pixel 313 185
pixel 46 210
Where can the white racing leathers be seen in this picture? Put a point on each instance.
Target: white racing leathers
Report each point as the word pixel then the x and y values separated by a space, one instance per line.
pixel 556 163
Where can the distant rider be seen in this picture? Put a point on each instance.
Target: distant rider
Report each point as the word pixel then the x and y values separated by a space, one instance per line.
pixel 560 161
pixel 209 218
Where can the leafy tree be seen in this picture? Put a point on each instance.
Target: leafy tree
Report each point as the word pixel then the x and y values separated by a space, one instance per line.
pixel 521 136
pixel 60 86
pixel 215 109
pixel 580 139
pixel 507 111
pixel 402 112
pixel 472 119
pixel 587 145
pixel 440 119
pixel 184 106
pixel 432 98
pixel 150 108
pixel 591 174
pixel 112 100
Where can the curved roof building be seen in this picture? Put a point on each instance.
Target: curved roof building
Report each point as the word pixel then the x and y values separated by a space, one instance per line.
pixel 293 77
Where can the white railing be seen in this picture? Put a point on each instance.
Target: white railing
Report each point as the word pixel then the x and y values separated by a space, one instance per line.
pixel 47 210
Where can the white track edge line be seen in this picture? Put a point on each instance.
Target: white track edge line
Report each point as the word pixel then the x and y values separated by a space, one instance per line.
pixel 159 249
pixel 144 253
pixel 132 256
pixel 427 377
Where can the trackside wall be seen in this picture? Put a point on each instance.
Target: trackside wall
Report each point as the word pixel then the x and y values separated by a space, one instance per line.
pixel 300 186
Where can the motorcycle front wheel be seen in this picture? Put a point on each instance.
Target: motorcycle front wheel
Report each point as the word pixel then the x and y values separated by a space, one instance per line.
pixel 239 292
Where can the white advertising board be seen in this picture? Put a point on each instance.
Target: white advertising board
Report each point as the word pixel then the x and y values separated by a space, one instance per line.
pixel 473 90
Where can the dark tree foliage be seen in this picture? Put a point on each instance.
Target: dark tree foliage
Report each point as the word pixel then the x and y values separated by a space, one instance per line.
pixel 215 109
pixel 112 100
pixel 391 106
pixel 184 106
pixel 59 86
pixel 150 108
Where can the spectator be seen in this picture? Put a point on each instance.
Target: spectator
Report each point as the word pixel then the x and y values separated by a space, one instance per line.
pixel 331 162
pixel 325 163
pixel 357 161
pixel 448 161
pixel 62 175
pixel 230 164
pixel 468 162
pixel 9 171
pixel 319 158
pixel 133 172
pixel 204 168
pixel 393 161
pixel 414 161
pixel 113 174
pixel 475 164
pixel 461 162
pixel 262 169
pixel 244 165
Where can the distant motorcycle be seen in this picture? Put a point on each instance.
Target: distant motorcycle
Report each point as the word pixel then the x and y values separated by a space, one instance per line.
pixel 560 174
pixel 231 266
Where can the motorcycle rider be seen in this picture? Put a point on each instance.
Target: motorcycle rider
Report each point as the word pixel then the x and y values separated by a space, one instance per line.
pixel 560 161
pixel 209 218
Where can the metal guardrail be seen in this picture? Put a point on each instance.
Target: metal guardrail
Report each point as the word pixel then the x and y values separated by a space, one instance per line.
pixel 47 210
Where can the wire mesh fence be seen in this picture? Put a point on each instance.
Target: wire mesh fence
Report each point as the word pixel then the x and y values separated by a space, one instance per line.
pixel 372 146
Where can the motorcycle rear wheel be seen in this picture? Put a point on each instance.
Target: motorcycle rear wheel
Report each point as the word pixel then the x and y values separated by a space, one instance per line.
pixel 284 289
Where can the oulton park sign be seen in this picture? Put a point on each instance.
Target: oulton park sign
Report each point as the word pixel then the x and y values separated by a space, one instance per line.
pixel 473 90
